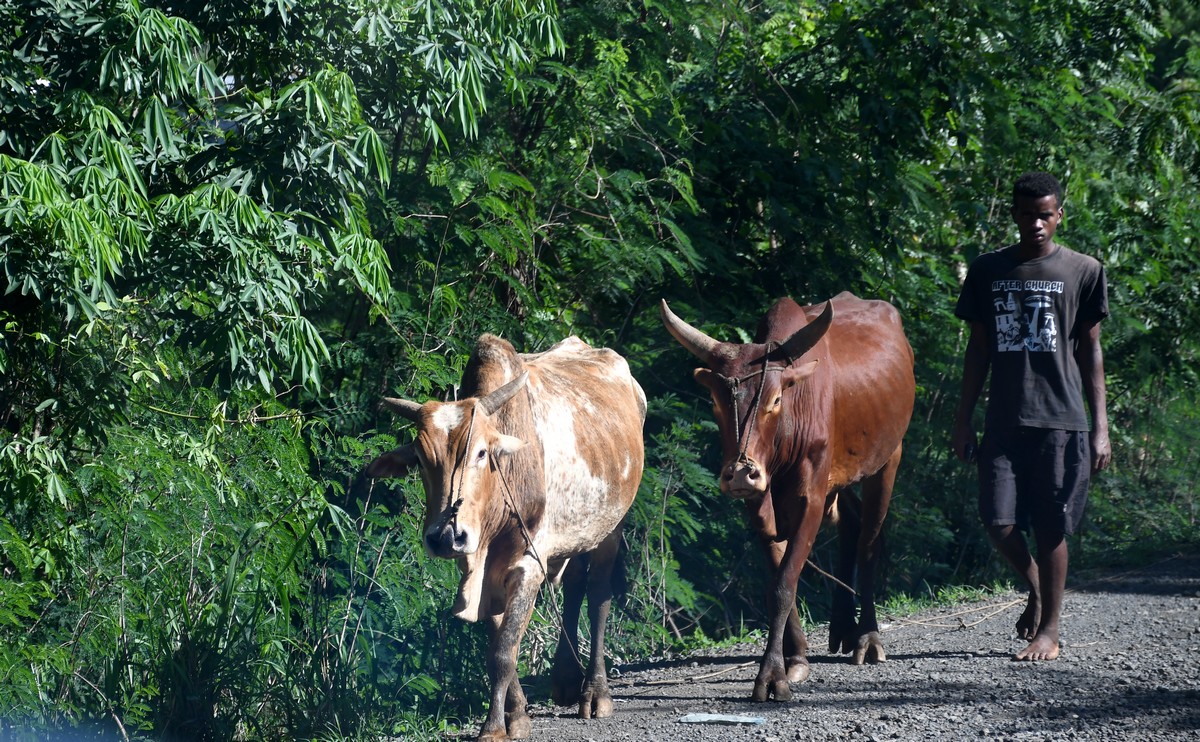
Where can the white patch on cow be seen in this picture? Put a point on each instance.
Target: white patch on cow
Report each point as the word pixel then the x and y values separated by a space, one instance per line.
pixel 556 428
pixel 576 495
pixel 628 468
pixel 447 417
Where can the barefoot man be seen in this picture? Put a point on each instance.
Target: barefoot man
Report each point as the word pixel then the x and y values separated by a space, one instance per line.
pixel 1034 310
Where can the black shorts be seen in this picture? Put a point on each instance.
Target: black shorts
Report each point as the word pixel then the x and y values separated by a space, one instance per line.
pixel 1034 477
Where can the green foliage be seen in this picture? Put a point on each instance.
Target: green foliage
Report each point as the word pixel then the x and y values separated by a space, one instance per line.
pixel 901 605
pixel 677 510
pixel 227 229
pixel 1148 504
pixel 172 563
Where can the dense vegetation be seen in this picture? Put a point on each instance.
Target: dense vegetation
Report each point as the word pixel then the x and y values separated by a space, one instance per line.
pixel 228 228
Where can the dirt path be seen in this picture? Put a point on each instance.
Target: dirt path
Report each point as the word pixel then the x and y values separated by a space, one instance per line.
pixel 1130 670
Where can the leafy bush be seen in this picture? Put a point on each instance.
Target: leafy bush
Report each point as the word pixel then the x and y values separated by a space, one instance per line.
pixel 225 234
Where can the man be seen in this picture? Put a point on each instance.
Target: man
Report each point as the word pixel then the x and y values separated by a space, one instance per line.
pixel 1034 310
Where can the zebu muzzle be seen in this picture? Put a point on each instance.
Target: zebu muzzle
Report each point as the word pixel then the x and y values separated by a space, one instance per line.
pixel 450 542
pixel 447 538
pixel 743 478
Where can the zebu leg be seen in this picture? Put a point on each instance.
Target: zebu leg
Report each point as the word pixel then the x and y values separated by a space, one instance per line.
pixel 566 678
pixel 516 718
pixel 876 497
pixel 795 643
pixel 772 680
pixel 596 701
pixel 761 515
pixel 507 718
pixel 843 624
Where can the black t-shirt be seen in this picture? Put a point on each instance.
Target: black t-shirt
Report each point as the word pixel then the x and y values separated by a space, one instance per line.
pixel 1034 313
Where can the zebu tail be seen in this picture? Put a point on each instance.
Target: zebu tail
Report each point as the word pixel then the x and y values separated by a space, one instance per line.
pixel 619 579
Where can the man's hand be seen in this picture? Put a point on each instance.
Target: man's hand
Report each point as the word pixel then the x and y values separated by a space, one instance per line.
pixel 1101 450
pixel 964 442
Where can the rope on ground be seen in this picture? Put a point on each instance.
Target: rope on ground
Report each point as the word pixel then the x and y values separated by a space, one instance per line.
pixel 994 611
pixel 696 678
pixel 1019 601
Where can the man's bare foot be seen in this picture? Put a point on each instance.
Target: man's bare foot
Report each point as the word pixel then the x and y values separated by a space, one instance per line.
pixel 1041 649
pixel 1028 622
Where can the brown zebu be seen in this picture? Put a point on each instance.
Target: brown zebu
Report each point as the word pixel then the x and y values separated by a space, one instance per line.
pixel 529 478
pixel 820 401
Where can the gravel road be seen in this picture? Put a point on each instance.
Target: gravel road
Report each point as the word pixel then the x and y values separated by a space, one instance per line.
pixel 1129 670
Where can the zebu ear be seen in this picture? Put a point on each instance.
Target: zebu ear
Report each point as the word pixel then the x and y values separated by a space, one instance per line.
pixel 800 372
pixel 506 444
pixel 394 463
pixel 806 337
pixel 705 377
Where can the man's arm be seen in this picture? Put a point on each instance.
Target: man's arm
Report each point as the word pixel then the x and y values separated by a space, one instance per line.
pixel 1091 367
pixel 975 368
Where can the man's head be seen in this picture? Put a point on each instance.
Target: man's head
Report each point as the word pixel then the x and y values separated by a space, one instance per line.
pixel 1037 185
pixel 1037 210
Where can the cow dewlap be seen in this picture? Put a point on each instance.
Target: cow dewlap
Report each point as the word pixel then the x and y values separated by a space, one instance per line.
pixel 470 587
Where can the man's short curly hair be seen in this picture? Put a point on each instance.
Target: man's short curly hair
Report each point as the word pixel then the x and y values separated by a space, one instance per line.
pixel 1037 185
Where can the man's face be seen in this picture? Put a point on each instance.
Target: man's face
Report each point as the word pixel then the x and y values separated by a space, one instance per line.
pixel 1037 220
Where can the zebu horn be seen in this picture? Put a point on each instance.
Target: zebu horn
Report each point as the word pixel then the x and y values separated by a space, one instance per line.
pixel 694 341
pixel 496 398
pixel 806 337
pixel 403 408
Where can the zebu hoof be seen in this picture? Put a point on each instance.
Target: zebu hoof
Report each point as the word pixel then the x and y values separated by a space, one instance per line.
pixel 842 637
pixel 869 649
pixel 778 690
pixel 519 726
pixel 566 680
pixel 595 704
pixel 798 672
pixel 781 690
pixel 516 726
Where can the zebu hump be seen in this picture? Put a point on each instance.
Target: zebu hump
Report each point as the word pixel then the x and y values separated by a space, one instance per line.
pixel 574 366
pixel 493 363
pixel 867 345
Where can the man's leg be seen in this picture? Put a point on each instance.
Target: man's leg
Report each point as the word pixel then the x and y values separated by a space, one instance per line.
pixel 1064 465
pixel 1009 541
pixel 1052 571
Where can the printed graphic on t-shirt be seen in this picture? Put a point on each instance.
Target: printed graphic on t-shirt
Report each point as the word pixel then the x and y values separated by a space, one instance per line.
pixel 1025 318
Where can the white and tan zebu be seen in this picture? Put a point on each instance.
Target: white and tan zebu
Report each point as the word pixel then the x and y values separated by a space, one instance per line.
pixel 526 479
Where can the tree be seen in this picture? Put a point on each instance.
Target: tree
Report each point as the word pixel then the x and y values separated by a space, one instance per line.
pixel 184 201
pixel 228 229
